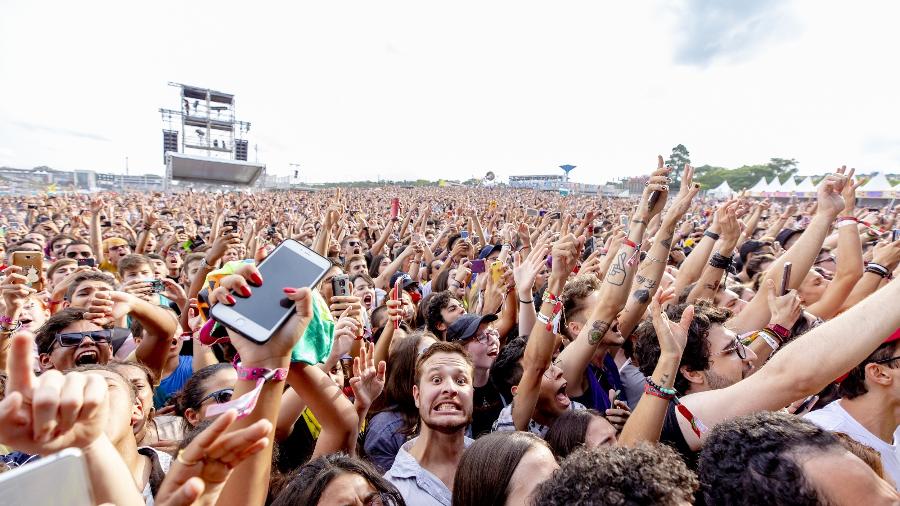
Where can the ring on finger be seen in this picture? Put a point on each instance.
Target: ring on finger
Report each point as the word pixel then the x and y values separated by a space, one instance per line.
pixel 182 461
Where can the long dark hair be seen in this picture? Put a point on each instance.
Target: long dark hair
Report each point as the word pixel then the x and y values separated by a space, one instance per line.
pixel 400 380
pixel 192 393
pixel 569 431
pixel 487 465
pixel 373 266
pixel 308 483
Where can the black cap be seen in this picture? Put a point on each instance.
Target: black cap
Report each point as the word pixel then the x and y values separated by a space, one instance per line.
pixel 406 280
pixel 785 235
pixel 467 325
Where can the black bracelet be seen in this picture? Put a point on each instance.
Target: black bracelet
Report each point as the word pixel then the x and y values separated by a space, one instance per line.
pixel 720 262
pixel 877 269
pixel 712 235
pixel 526 301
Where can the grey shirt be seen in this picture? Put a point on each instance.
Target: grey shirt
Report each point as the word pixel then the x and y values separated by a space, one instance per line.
pixel 416 484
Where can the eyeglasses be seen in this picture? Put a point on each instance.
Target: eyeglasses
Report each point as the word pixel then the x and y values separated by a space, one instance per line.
pixel 71 339
pixel 738 347
pixel 352 243
pixel 486 336
pixel 117 248
pixel 82 254
pixel 378 499
pixel 886 360
pixel 220 396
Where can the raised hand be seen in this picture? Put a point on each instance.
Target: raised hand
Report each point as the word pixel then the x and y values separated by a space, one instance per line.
pixel 672 336
pixel 785 309
pixel 525 271
pixel 367 382
pixel 658 182
pixel 55 411
pixel 849 191
pixel 829 195
pixel 566 253
pixel 14 291
pixel 203 466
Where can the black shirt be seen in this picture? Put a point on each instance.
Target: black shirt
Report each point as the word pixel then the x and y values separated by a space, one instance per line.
pixel 486 406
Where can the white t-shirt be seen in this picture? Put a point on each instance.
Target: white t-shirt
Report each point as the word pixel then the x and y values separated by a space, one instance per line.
pixel 834 418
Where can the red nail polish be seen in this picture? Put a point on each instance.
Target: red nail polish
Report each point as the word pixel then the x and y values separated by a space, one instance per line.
pixel 256 278
pixel 230 299
pixel 245 291
pixel 290 290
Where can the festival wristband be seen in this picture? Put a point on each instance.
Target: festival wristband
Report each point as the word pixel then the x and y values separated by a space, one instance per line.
pixel 247 402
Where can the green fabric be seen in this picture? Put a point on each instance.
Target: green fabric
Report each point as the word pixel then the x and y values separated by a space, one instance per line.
pixel 315 345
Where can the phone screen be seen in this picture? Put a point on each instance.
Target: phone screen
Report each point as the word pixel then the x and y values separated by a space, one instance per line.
pixel 290 265
pixel 477 266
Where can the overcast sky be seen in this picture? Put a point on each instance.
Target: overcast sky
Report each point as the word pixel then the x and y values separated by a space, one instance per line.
pixel 419 89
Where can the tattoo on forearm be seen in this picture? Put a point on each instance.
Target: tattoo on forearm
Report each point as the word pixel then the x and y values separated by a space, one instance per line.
pixel 598 330
pixel 667 243
pixel 641 295
pixel 647 283
pixel 616 274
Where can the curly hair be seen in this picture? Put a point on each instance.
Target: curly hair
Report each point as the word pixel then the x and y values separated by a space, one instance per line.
pixel 437 302
pixel 619 476
pixel 574 298
pixel 755 459
pixel 696 353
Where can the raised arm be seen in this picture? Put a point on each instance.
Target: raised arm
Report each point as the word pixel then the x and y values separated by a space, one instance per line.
pixel 96 233
pixel 886 255
pixel 646 421
pixel 708 284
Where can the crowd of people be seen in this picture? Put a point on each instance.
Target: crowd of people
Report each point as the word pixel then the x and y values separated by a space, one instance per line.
pixel 495 346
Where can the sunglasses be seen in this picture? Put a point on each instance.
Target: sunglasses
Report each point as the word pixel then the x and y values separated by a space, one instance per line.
pixel 220 396
pixel 353 243
pixel 76 254
pixel 72 339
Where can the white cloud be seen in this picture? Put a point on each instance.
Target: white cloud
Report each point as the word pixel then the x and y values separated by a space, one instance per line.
pixel 408 89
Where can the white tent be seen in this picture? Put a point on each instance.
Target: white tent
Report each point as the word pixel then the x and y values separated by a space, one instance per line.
pixel 760 187
pixel 876 187
pixel 774 186
pixel 721 191
pixel 790 185
pixel 806 188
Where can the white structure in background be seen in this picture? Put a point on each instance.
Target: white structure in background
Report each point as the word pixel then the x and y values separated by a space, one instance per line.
pixel 789 186
pixel 723 191
pixel 773 187
pixel 759 188
pixel 878 187
pixel 806 188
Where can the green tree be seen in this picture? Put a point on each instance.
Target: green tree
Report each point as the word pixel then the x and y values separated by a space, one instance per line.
pixel 679 157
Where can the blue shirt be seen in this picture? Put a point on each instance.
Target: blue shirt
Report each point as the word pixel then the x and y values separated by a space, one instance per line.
pixel 174 382
pixel 416 484
pixel 384 439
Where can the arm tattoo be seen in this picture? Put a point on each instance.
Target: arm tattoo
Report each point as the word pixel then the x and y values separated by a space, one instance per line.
pixel 616 274
pixel 641 295
pixel 598 330
pixel 646 282
pixel 667 243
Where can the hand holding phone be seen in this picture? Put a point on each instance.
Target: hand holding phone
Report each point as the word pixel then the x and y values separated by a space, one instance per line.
pixel 477 266
pixel 786 279
pixel 31 263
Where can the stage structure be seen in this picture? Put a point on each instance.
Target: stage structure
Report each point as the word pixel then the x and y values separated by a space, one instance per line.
pixel 204 143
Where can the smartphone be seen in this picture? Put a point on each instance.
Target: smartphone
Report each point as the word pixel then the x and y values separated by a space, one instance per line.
pixel 31 263
pixel 555 216
pixel 531 212
pixel 395 295
pixel 106 224
pixel 786 278
pixel 340 285
pixel 395 208
pixel 32 206
pixel 464 234
pixel 156 285
pixel 271 231
pixel 86 261
pixel 259 317
pixel 477 266
pixel 623 220
pixel 65 470
pixel 196 242
pixel 231 225
pixel 496 271
pixel 895 234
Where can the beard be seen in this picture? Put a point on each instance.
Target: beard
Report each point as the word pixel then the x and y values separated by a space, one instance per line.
pixel 717 382
pixel 448 427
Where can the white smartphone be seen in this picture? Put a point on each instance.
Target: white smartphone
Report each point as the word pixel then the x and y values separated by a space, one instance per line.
pixel 60 478
pixel 258 317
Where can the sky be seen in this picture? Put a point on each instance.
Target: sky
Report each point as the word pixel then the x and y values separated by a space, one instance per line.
pixel 357 90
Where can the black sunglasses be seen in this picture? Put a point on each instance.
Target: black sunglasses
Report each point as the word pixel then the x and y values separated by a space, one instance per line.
pixel 82 254
pixel 71 339
pixel 220 396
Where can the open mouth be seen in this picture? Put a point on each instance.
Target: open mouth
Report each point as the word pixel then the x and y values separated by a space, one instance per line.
pixel 26 323
pixel 367 300
pixel 447 407
pixel 561 396
pixel 87 357
pixel 493 352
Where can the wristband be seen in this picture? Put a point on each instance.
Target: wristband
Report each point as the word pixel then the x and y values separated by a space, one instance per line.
pixel 656 393
pixel 846 223
pixel 522 301
pixel 770 339
pixel 204 263
pixel 879 270
pixel 712 235
pixel 628 242
pixel 779 331
pixel 848 218
pixel 245 403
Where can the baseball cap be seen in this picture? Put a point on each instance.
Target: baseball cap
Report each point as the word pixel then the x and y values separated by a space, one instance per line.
pixel 405 279
pixel 467 325
pixel 487 250
pixel 785 235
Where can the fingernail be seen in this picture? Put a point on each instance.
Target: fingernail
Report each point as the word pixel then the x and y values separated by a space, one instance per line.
pixel 257 280
pixel 245 291
pixel 230 299
pixel 290 290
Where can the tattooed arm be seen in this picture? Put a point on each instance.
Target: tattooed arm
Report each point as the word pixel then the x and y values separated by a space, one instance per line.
pixel 575 358
pixel 709 281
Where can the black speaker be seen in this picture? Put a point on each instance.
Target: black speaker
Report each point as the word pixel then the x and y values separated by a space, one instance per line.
pixel 240 150
pixel 170 142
